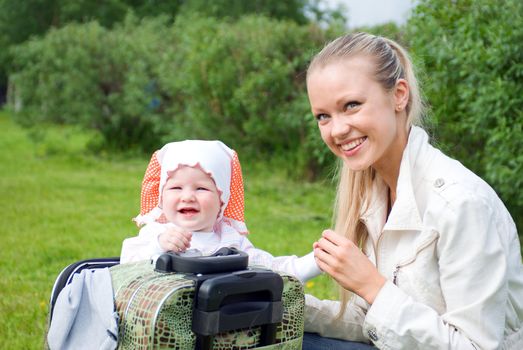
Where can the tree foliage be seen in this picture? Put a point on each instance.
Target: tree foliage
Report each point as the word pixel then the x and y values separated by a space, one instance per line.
pixel 472 55
pixel 71 77
pixel 247 76
pixel 242 82
pixel 21 20
pixel 234 9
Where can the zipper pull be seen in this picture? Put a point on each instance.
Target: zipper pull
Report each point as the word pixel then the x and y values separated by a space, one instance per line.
pixel 395 275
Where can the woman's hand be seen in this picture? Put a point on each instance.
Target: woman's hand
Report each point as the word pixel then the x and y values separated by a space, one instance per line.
pixel 343 260
pixel 175 240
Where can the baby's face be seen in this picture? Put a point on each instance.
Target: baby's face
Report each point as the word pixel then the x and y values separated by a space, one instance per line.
pixel 191 200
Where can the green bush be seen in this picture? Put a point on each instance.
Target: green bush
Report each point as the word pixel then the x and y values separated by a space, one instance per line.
pixel 145 83
pixel 472 55
pixel 242 82
pixel 87 75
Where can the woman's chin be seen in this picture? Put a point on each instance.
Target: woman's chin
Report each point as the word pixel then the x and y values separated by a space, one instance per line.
pixel 355 166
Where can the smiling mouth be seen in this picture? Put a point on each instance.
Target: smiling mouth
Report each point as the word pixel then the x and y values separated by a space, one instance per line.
pixel 188 211
pixel 353 144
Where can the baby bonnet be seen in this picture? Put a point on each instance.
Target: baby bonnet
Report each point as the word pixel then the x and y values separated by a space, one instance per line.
pixel 214 158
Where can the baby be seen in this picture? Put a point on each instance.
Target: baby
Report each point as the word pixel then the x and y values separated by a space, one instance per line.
pixel 197 205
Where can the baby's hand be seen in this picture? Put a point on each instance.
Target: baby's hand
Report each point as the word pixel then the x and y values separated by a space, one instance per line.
pixel 175 240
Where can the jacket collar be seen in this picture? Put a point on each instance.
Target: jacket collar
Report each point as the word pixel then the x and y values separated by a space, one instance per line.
pixel 405 214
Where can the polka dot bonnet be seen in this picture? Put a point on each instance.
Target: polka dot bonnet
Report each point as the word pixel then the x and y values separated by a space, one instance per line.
pixel 214 158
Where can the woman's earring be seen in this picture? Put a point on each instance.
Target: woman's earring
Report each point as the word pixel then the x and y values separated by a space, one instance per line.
pixel 399 108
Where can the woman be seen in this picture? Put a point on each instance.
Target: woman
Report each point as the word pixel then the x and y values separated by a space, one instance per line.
pixel 425 253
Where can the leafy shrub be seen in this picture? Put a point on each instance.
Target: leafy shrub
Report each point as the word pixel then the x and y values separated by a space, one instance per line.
pixel 471 50
pixel 145 83
pixel 242 82
pixel 87 75
pixel 234 9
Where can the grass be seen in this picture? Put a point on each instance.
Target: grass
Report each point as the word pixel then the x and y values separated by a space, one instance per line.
pixel 60 204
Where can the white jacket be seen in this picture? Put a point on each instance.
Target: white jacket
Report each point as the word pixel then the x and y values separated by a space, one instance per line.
pixel 451 254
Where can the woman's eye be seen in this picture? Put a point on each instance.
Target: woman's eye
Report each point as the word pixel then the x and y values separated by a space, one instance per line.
pixel 351 105
pixel 321 117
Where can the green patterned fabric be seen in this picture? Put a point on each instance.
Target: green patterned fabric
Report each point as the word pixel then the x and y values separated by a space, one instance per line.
pixel 155 312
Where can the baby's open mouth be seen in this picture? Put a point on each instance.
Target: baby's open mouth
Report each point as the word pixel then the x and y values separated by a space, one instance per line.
pixel 187 211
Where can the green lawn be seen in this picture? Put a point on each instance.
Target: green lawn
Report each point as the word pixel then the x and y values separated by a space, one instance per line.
pixel 60 204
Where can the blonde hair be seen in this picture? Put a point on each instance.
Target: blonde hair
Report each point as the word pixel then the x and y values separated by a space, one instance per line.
pixel 392 62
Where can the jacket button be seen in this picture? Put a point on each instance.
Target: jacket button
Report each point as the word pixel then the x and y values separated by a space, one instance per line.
pixel 372 334
pixel 439 182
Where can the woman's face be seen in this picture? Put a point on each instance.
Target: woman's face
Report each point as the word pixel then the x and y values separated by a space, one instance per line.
pixel 358 119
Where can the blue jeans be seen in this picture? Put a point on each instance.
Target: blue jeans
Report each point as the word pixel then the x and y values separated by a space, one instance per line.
pixel 312 341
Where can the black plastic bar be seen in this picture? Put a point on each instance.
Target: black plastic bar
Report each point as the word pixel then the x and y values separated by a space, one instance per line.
pixel 233 260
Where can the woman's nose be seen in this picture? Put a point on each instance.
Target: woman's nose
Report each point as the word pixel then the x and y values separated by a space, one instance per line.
pixel 340 127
